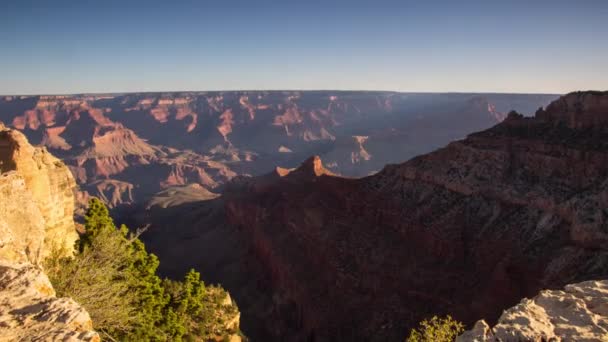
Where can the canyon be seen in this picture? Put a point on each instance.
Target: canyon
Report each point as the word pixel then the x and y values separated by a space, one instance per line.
pixel 467 230
pixel 124 148
pixel 54 288
pixel 337 247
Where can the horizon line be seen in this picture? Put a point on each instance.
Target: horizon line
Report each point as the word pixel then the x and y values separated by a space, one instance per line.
pixel 288 90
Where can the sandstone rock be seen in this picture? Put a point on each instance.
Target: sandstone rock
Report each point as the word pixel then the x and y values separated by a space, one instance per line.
pixel 32 176
pixel 22 226
pixel 481 332
pixel 29 310
pixel 36 216
pixel 578 313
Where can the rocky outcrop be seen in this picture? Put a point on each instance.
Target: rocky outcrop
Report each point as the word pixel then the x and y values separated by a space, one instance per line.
pixel 578 110
pixel 36 218
pixel 579 312
pixel 38 199
pixel 311 167
pixel 29 310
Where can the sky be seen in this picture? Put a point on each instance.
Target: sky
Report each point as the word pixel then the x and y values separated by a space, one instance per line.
pixel 80 46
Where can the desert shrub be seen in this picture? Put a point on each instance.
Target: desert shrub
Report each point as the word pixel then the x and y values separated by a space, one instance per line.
pixel 97 279
pixel 114 278
pixel 436 330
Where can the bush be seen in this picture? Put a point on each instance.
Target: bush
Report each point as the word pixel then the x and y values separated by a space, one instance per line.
pixel 114 278
pixel 436 330
pixel 97 279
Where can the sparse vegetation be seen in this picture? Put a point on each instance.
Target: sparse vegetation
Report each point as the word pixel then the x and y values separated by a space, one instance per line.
pixel 436 329
pixel 114 278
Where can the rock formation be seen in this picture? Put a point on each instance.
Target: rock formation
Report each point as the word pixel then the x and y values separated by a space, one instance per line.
pixel 578 110
pixel 36 218
pixel 466 230
pixel 37 202
pixel 29 310
pixel 579 312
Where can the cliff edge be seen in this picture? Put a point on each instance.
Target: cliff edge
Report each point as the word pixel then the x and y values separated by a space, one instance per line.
pixel 36 210
pixel 30 311
pixel 37 203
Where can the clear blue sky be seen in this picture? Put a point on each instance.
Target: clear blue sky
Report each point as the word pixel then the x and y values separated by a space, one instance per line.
pixel 115 46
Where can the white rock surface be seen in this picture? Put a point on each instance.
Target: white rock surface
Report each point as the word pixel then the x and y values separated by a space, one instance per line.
pixel 29 310
pixel 578 313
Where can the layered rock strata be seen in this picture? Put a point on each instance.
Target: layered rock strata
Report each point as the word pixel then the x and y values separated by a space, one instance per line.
pixel 38 199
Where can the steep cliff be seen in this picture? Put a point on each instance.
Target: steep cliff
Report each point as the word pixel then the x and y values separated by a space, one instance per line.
pixel 579 312
pixel 578 110
pixel 467 230
pixel 36 217
pixel 37 201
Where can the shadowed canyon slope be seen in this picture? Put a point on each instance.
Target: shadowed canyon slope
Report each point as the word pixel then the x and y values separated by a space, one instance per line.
pixel 466 230
pixel 124 148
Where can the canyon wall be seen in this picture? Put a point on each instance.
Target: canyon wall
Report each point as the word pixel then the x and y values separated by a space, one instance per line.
pixel 466 230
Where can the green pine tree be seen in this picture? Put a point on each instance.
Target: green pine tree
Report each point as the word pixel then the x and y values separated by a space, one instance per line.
pixel 114 278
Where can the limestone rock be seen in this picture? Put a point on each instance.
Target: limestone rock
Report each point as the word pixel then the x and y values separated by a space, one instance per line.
pixel 36 210
pixel 29 310
pixel 32 176
pixel 22 227
pixel 578 313
pixel 481 332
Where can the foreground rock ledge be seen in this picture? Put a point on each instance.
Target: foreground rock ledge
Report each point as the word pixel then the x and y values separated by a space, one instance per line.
pixel 29 310
pixel 578 313
pixel 36 210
